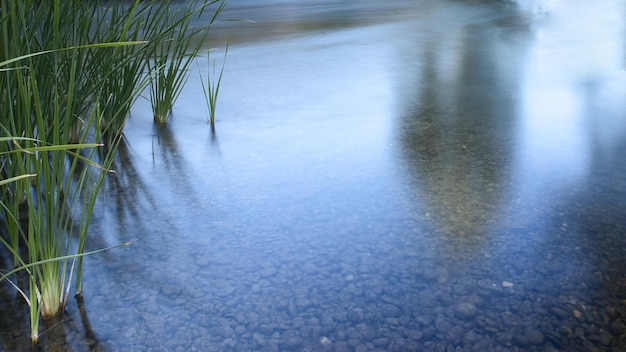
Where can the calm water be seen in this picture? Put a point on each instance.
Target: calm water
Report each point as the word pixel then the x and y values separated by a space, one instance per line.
pixel 385 176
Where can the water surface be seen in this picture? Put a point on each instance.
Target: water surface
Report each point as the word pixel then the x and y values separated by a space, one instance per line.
pixel 434 175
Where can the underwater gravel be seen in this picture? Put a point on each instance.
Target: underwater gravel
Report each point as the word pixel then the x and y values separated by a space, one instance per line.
pixel 385 298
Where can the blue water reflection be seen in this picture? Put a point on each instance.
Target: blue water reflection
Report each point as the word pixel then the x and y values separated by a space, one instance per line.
pixel 440 175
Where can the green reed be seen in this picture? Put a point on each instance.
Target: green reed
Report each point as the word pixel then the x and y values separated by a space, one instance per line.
pixel 172 54
pixel 69 73
pixel 41 208
pixel 121 69
pixel 212 87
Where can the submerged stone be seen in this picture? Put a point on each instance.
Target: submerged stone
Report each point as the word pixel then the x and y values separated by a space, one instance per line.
pixel 356 315
pixel 465 311
pixel 530 336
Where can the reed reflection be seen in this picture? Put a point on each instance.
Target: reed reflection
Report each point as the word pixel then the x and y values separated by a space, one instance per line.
pixel 125 198
pixel 136 188
pixel 13 305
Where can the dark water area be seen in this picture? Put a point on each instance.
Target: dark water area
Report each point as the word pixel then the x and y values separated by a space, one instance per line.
pixel 385 176
pixel 249 20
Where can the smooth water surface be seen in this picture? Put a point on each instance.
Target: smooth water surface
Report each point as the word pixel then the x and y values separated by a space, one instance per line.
pixel 385 176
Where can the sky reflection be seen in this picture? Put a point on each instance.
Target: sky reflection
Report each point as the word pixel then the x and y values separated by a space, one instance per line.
pixel 574 92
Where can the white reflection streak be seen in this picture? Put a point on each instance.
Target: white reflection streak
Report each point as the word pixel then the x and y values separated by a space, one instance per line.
pixel 581 46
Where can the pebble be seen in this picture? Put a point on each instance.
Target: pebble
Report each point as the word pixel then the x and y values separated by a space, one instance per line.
pixel 617 327
pixel 577 313
pixel 533 336
pixel 342 346
pixel 380 342
pixel 389 311
pixel 356 315
pixel 291 341
pixel 560 312
pixel 605 338
pixel 465 311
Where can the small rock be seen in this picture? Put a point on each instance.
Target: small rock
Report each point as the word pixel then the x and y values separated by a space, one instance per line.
pixel 430 274
pixel 356 315
pixel 380 342
pixel 465 311
pixel 577 313
pixel 617 327
pixel 605 338
pixel 424 320
pixel 389 311
pixel 325 340
pixel 342 346
pixel 561 313
pixel 361 348
pixel 266 329
pixel 259 339
pixel 530 336
pixel 588 345
pixel 267 271
pixel 201 260
pixel 534 336
pixel 442 324
pixel 470 337
pixel 442 276
pixel 504 338
pixel 414 334
pixel 579 332
pixel 445 299
pixel 290 341
pixel 487 287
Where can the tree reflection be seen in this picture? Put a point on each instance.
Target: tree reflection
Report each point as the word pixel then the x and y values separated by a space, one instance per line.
pixel 460 112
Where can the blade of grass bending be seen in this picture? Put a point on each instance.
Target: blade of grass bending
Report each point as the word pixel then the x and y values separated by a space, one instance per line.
pixel 86 46
pixel 15 178
pixel 57 259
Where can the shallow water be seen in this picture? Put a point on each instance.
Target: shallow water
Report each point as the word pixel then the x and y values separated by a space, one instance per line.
pixel 446 176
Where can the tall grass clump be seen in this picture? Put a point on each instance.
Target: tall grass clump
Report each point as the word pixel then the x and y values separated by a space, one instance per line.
pixel 169 59
pixel 120 70
pixel 51 207
pixel 70 71
pixel 45 128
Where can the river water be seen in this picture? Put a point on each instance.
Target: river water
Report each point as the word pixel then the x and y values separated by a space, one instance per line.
pixel 384 176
